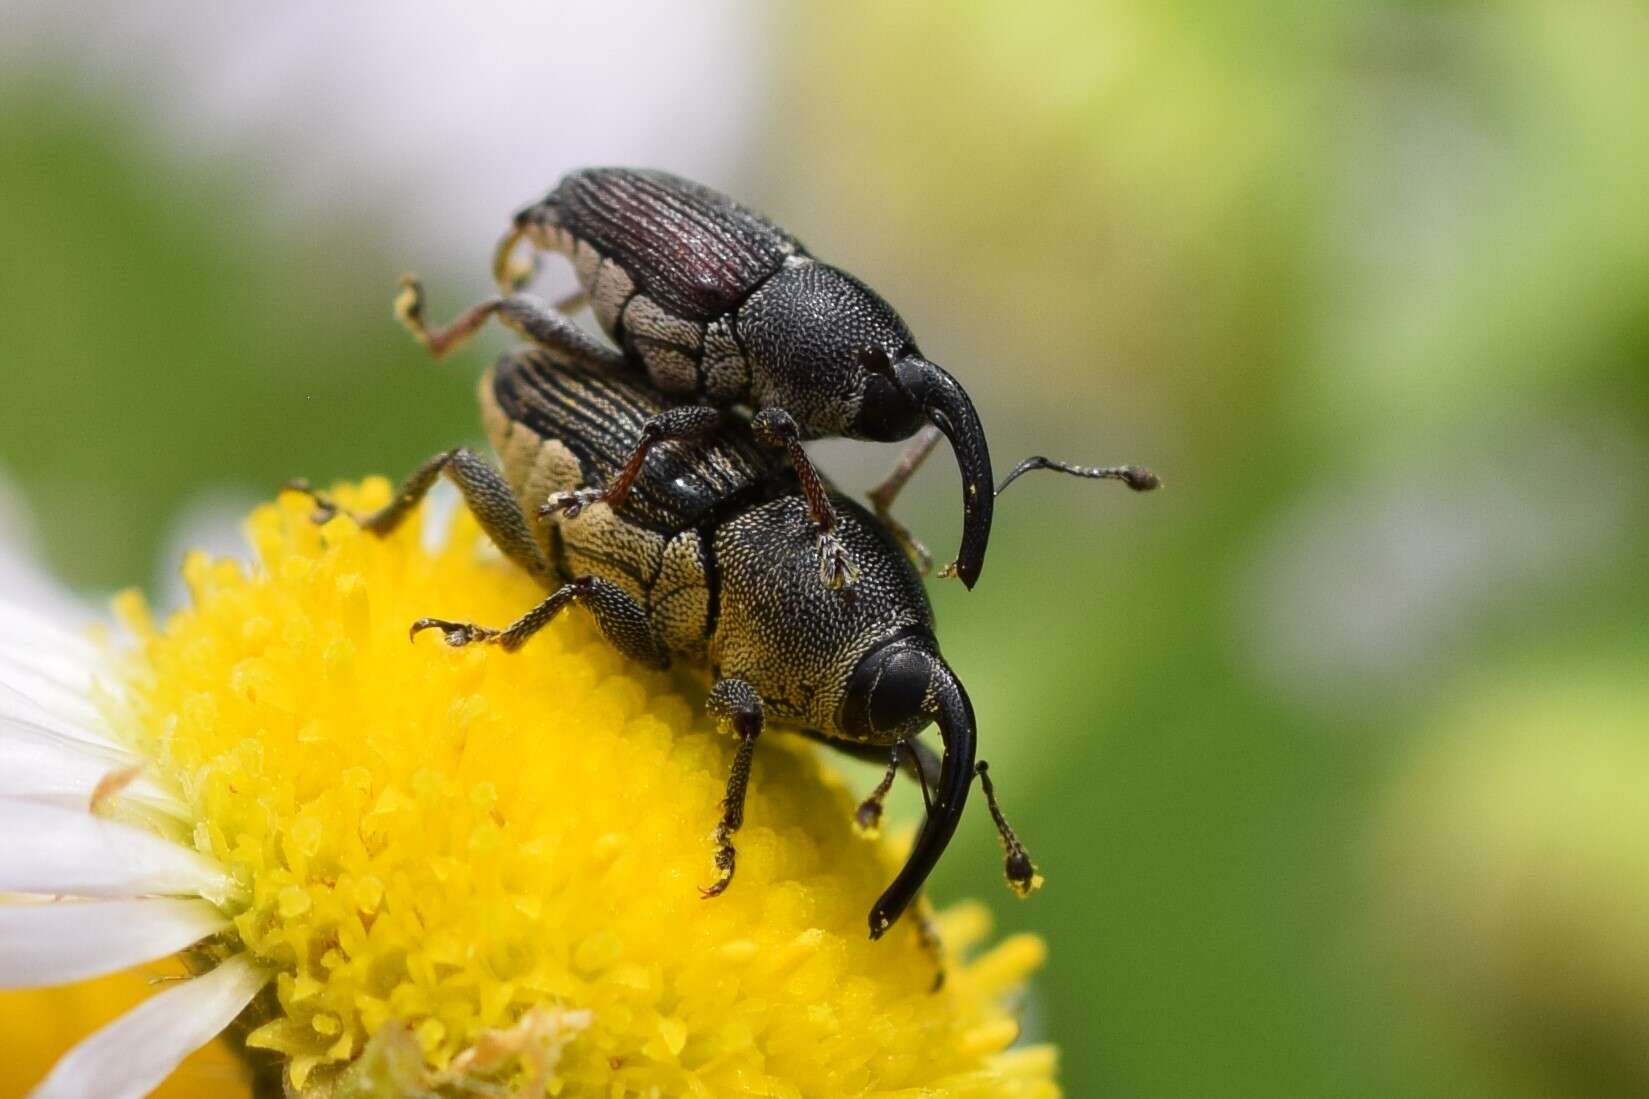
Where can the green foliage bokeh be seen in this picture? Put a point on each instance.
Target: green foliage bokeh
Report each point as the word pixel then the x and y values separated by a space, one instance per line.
pixel 1273 250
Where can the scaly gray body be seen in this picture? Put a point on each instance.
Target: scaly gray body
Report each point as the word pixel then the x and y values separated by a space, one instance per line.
pixel 714 542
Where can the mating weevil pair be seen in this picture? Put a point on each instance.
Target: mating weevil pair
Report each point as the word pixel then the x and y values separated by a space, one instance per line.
pixel 697 532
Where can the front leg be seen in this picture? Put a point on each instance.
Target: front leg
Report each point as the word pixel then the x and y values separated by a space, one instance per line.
pixel 686 422
pixel 883 495
pixel 521 312
pixel 775 427
pixel 622 621
pixel 737 708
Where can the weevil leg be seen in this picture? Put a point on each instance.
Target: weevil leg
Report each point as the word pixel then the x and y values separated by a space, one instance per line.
pixel 776 428
pixel 521 312
pixel 685 422
pixel 883 495
pixel 737 708
pixel 1021 872
pixel 622 621
pixel 485 492
pixel 868 817
pixel 927 933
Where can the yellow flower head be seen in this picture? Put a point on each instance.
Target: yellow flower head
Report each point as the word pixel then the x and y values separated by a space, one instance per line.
pixel 466 865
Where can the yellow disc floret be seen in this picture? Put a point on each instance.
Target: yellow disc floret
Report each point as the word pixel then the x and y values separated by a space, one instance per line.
pixel 492 860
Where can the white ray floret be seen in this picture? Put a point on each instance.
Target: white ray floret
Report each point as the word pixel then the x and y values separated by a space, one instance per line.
pixel 81 895
pixel 51 943
pixel 132 1055
pixel 54 851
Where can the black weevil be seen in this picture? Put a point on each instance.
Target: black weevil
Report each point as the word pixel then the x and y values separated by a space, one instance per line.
pixel 718 304
pixel 709 558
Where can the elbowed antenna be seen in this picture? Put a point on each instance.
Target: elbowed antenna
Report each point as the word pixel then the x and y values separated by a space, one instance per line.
pixel 946 403
pixel 957 729
pixel 1137 478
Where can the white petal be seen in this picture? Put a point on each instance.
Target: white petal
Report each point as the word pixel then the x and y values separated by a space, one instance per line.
pixel 132 1055
pixel 72 668
pixel 39 763
pixel 55 943
pixel 17 708
pixel 51 850
pixel 46 689
pixel 44 635
pixel 38 768
pixel 52 735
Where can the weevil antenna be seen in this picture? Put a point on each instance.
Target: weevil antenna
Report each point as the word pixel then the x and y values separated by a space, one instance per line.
pixel 957 729
pixel 1017 865
pixel 1137 478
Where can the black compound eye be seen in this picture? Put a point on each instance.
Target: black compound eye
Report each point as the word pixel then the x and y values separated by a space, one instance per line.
pixel 875 360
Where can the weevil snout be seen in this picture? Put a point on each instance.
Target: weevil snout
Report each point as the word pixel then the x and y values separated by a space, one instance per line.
pixel 945 404
pixel 896 689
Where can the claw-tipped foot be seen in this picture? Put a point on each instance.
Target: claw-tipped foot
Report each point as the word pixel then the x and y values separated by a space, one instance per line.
pixel 325 507
pixel 456 634
pixel 409 306
pixel 724 866
pixel 569 504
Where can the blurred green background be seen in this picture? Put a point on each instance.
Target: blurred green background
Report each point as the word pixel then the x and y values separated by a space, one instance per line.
pixel 1335 751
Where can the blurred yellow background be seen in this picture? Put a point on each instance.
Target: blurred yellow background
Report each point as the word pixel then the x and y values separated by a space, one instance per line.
pixel 1335 751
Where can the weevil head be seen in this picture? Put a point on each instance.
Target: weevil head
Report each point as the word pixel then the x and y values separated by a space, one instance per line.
pixel 827 349
pixel 897 689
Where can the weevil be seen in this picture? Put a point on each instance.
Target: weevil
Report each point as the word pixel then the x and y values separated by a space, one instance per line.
pixel 719 305
pixel 709 559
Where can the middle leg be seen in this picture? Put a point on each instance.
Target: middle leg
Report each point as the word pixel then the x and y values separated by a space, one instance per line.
pixel 622 620
pixel 777 428
pixel 685 422
pixel 918 760
pixel 882 496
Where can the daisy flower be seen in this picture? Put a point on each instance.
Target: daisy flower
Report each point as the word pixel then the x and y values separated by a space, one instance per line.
pixel 396 868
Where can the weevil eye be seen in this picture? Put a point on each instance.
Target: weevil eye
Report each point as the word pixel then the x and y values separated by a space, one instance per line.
pixel 876 361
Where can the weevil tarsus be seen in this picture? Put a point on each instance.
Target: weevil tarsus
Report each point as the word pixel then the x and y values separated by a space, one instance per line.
pixel 737 708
